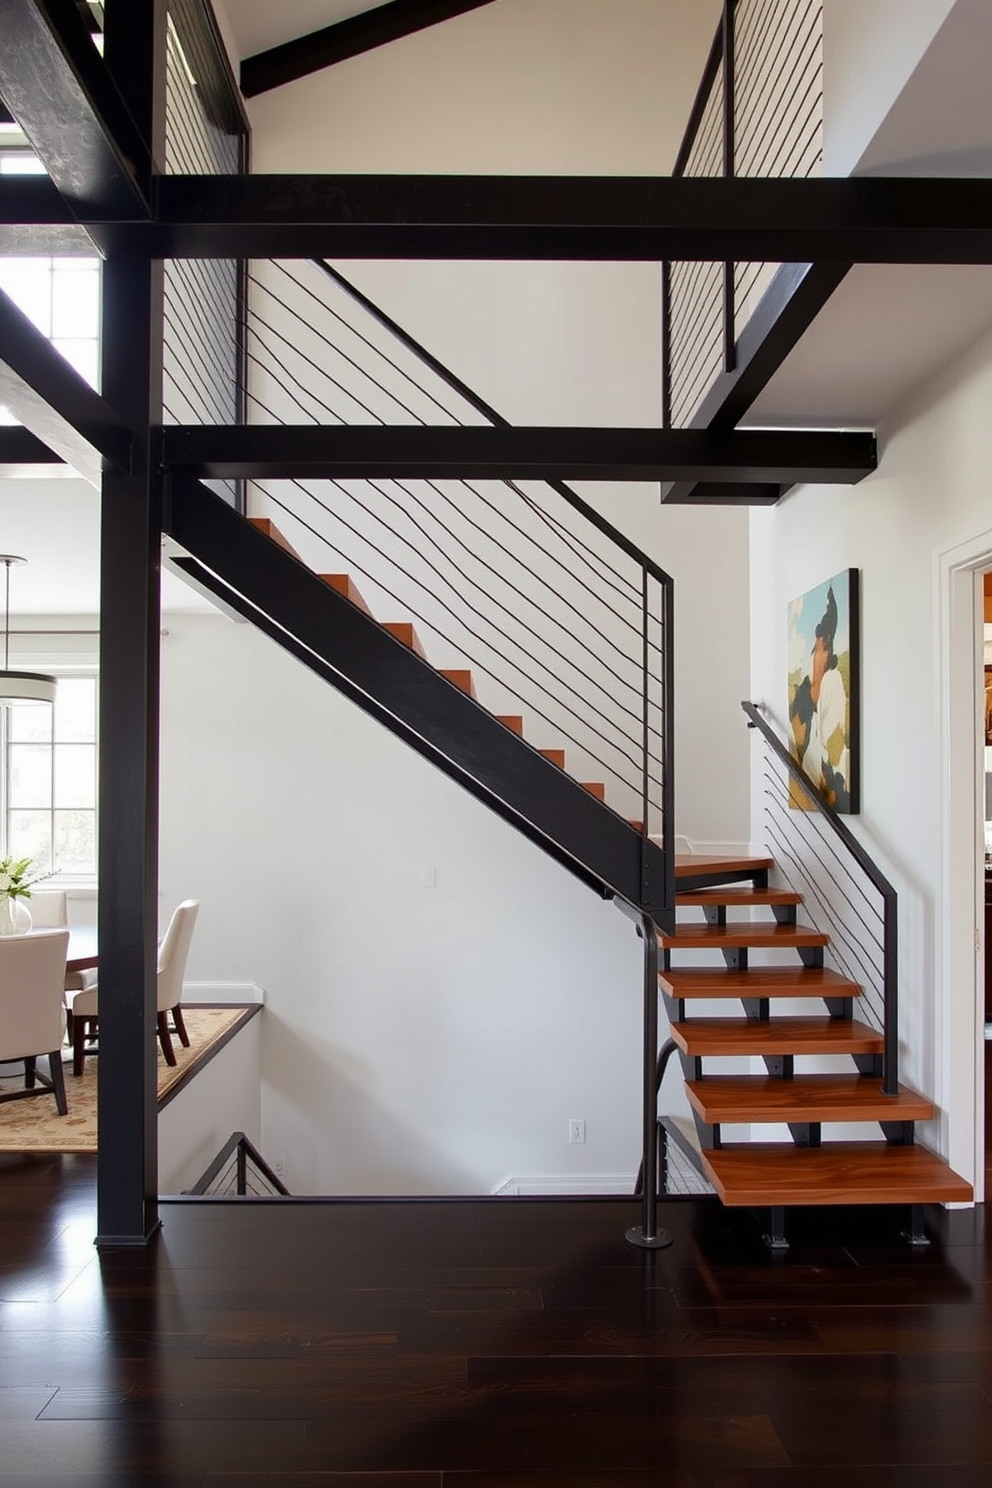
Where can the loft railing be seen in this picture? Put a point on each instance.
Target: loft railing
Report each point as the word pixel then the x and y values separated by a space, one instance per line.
pixel 758 112
pixel 845 893
pixel 239 1171
pixel 558 615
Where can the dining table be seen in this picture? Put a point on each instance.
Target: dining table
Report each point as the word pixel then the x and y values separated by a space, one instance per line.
pixel 82 953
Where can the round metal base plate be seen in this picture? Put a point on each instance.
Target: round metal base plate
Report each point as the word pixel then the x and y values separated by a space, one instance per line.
pixel 636 1236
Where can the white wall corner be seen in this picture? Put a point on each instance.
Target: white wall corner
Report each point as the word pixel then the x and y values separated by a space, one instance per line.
pixel 232 992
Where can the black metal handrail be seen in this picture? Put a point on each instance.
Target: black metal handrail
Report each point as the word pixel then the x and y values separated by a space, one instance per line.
pixel 871 870
pixel 243 1151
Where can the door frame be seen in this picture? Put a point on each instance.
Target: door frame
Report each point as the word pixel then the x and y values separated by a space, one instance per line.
pixel 960 1003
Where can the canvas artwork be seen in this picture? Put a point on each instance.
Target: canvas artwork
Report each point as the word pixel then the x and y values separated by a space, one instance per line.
pixel 824 690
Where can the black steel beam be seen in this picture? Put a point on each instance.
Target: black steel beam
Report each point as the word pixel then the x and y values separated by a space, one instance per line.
pixel 777 456
pixel 61 93
pixel 51 399
pixel 380 673
pixel 859 220
pixel 35 220
pixel 19 447
pixel 720 493
pixel 782 317
pixel 348 38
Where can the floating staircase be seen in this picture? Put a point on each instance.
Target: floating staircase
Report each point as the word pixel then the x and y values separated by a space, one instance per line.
pixel 888 1166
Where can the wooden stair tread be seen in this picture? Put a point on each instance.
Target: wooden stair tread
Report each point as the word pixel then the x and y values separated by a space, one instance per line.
pixel 595 788
pixel 687 865
pixel 461 679
pixel 711 1036
pixel 513 721
pixel 839 1173
pixel 342 584
pixel 736 937
pixel 741 894
pixel 722 1098
pixel 756 981
pixel 404 632
pixel 554 757
pixel 266 526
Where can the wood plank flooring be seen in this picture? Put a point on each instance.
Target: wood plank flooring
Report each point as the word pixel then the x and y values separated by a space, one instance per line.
pixel 486 1343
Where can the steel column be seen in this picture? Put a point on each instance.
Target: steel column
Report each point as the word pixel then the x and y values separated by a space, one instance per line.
pixel 647 1235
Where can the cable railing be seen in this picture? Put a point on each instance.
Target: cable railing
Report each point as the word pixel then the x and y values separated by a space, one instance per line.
pixel 239 1171
pixel 845 894
pixel 561 619
pixel 758 112
pixel 205 134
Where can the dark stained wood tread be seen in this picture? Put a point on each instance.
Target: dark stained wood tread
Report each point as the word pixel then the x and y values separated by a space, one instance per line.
pixel 757 981
pixel 732 895
pixel 736 937
pixel 722 1098
pixel 404 632
pixel 711 1036
pixel 687 865
pixel 343 584
pixel 840 1173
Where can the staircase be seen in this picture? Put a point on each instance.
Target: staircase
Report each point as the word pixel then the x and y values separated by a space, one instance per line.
pixel 714 903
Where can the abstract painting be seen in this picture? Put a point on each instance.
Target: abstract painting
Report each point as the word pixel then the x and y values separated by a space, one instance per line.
pixel 824 691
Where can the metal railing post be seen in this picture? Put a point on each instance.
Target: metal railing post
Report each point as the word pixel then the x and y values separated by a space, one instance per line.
pixel 647 1235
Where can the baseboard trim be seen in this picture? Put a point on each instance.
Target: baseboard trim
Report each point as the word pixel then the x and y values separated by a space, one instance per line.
pixel 534 1185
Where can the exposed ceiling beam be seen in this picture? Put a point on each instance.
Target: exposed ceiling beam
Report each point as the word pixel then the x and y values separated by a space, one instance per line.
pixel 862 220
pixel 34 219
pixel 54 82
pixel 349 38
pixel 51 399
pixel 769 457
pixel 782 317
pixel 22 453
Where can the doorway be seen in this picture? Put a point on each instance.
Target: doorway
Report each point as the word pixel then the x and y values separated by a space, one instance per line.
pixel 985 746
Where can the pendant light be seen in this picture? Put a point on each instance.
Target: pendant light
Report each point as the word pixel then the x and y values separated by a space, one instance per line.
pixel 19 687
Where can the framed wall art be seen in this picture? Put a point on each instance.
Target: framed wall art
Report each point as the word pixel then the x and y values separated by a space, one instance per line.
pixel 824 690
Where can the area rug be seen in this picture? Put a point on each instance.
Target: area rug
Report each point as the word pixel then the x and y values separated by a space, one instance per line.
pixel 36 1126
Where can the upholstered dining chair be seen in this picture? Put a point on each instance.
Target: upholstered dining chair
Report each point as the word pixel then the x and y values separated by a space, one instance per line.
pixel 49 910
pixel 172 953
pixel 32 1017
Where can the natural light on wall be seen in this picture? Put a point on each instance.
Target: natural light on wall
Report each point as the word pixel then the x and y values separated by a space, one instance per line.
pixel 61 296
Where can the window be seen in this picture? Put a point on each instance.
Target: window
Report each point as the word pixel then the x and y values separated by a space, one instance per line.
pixel 61 296
pixel 49 784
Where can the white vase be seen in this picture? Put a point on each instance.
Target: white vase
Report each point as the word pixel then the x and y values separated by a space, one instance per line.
pixel 15 917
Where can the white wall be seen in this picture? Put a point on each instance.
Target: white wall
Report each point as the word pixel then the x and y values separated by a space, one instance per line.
pixel 870 49
pixel 929 497
pixel 223 1098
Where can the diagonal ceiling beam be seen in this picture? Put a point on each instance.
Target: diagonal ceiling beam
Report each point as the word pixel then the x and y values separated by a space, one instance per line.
pixel 349 38
pixel 861 220
pixel 769 457
pixel 34 219
pixel 55 83
pixel 51 399
pixel 782 317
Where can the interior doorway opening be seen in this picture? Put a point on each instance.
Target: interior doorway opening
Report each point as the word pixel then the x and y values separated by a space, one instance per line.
pixel 985 800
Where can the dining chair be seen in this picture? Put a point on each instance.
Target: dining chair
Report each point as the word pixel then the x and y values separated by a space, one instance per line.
pixel 32 1017
pixel 172 953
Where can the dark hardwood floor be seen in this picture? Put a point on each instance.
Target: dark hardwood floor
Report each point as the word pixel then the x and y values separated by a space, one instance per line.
pixel 486 1343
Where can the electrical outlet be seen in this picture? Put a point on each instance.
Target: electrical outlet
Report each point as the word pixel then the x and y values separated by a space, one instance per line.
pixel 279 1166
pixel 577 1129
pixel 428 876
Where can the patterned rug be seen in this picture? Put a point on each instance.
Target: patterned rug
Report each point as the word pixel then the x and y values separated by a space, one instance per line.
pixel 36 1126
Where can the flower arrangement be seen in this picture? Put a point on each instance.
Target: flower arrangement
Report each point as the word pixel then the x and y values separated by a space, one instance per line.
pixel 13 883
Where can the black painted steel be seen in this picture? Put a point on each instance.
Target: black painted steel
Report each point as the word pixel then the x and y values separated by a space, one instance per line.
pixel 48 395
pixel 34 219
pixel 18 446
pixel 437 716
pixel 214 1180
pixel 647 1235
pixel 128 910
pixel 348 38
pixel 63 96
pixel 361 451
pixel 887 893
pixel 729 83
